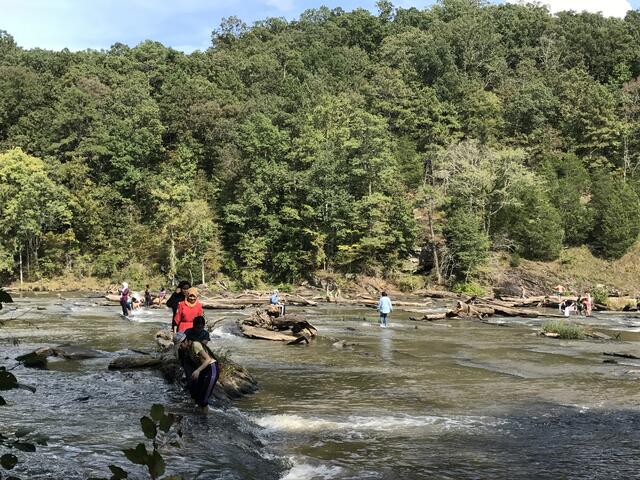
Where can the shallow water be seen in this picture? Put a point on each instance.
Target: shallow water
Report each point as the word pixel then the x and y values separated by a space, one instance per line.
pixel 452 399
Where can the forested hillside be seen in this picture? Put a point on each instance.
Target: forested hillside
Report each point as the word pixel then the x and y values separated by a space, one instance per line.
pixel 339 141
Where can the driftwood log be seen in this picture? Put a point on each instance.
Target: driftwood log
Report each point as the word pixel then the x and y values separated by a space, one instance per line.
pixel 430 317
pixel 292 329
pixel 481 310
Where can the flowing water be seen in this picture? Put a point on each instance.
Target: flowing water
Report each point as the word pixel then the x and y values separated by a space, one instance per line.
pixel 452 399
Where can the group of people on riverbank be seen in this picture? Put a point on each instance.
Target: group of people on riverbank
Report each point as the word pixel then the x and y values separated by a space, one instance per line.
pixel 583 305
pixel 130 301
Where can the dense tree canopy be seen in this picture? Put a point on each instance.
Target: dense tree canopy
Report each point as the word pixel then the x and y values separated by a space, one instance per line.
pixel 340 141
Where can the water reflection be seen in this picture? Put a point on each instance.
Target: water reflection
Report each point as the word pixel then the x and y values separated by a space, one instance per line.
pixel 386 344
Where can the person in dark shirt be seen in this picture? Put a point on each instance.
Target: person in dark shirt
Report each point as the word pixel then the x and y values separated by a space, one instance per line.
pixel 176 297
pixel 147 297
pixel 198 333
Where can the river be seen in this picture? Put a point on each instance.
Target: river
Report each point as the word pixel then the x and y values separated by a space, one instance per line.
pixel 452 399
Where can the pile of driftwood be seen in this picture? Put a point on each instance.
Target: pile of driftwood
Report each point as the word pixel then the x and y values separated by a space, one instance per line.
pixel 291 329
pixel 481 308
pixel 543 301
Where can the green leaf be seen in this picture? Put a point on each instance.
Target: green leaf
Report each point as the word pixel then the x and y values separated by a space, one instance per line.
pixel 118 473
pixel 7 380
pixel 148 427
pixel 3 402
pixel 157 412
pixel 137 455
pixel 24 446
pixel 156 465
pixel 166 422
pixel 8 461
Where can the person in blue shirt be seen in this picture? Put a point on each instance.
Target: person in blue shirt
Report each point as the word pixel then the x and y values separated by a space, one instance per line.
pixel 385 308
pixel 275 300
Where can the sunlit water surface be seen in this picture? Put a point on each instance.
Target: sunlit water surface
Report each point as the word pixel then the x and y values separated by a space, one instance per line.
pixel 452 399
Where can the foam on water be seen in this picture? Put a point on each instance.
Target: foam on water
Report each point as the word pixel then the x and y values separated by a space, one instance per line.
pixel 305 471
pixel 389 424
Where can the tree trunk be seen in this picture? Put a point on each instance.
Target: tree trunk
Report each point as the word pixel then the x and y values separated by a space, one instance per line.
pixel 434 247
pixel 21 278
pixel 204 282
pixel 172 259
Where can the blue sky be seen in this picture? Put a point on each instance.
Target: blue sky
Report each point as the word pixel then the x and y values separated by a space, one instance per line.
pixel 182 24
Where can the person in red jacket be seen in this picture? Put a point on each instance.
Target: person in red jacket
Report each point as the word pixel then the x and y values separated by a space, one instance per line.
pixel 188 309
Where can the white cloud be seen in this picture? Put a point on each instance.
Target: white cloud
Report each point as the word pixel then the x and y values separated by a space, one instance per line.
pixel 609 8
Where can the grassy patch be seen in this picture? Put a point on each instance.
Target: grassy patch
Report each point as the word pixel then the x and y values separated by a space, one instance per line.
pixel 566 330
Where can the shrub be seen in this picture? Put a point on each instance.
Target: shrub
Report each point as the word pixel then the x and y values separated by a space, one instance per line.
pixel 600 295
pixel 566 330
pixel 515 260
pixel 409 283
pixel 468 288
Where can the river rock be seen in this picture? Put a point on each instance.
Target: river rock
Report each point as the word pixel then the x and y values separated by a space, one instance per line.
pixel 72 352
pixel 234 382
pixel 38 358
pixel 134 361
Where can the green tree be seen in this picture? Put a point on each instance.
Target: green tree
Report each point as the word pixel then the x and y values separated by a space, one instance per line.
pixel 616 211
pixel 31 205
pixel 467 243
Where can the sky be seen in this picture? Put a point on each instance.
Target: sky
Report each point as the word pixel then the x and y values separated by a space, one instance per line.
pixel 183 24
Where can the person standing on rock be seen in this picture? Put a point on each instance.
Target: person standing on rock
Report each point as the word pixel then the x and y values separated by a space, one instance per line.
pixel 385 308
pixel 188 310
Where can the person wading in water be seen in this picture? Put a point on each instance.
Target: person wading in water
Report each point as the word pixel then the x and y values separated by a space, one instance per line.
pixel 124 299
pixel 203 368
pixel 385 308
pixel 174 300
pixel 188 310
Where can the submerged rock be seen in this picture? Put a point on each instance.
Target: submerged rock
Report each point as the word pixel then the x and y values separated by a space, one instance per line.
pixel 38 358
pixel 134 361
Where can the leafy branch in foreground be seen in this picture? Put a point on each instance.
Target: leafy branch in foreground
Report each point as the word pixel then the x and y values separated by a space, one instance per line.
pixel 156 428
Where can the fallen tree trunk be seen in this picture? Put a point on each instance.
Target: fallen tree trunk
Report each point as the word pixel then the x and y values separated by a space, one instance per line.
pixel 430 317
pixel 481 310
pixel 621 355
pixel 225 303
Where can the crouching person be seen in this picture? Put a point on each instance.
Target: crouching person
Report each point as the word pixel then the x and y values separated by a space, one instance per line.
pixel 205 376
pixel 200 366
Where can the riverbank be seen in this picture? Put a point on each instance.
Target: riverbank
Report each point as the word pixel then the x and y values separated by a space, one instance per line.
pixel 576 268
